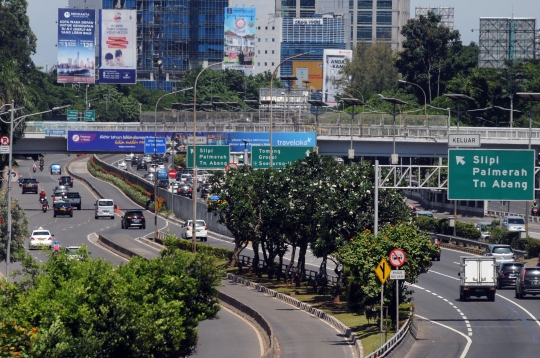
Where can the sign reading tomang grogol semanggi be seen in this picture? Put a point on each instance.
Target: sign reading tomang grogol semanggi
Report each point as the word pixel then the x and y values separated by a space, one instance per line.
pixel 496 174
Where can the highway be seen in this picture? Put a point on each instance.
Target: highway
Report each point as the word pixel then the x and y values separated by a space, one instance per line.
pixel 242 341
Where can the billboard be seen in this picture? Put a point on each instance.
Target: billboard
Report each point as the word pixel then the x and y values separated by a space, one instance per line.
pixel 311 71
pixel 100 141
pixel 333 61
pixel 239 45
pixel 118 46
pixel 76 53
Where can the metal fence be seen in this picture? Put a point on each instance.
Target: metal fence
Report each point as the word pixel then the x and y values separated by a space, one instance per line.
pixel 394 341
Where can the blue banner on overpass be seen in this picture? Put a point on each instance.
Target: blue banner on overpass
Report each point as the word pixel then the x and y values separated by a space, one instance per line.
pixel 101 141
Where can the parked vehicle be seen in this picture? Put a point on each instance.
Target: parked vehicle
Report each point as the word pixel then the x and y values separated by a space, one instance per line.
pixel 104 208
pixel 133 218
pixel 501 253
pixel 478 277
pixel 528 281
pixel 507 273
pixel 513 223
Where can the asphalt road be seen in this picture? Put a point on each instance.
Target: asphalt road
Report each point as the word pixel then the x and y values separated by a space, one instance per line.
pixel 217 337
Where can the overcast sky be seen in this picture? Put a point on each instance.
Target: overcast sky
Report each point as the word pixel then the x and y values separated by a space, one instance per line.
pixel 43 14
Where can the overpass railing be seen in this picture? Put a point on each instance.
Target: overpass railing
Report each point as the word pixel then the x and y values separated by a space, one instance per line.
pixel 373 130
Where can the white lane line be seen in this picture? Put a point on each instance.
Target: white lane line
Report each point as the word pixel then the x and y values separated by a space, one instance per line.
pixel 467 323
pixel 501 296
pixel 457 263
pixel 248 322
pixel 469 341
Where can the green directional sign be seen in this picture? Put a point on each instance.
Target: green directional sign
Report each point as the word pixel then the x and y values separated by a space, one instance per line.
pixel 490 174
pixel 72 115
pixel 283 155
pixel 90 115
pixel 209 156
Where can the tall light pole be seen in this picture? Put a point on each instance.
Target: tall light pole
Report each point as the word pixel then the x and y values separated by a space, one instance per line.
pixel 394 101
pixel 425 98
pixel 352 102
pixel 12 127
pixel 155 150
pixel 194 199
pixel 271 102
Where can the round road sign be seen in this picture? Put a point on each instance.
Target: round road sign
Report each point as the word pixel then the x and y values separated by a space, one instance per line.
pixel 4 140
pixel 172 173
pixel 397 257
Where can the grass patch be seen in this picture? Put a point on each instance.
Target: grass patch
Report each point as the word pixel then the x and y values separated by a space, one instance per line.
pixel 368 332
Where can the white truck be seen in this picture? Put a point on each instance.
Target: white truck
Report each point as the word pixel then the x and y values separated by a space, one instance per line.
pixel 478 277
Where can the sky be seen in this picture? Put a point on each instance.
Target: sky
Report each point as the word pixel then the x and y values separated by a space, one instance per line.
pixel 43 14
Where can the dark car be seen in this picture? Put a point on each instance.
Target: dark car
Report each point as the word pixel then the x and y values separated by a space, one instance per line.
pixel 507 272
pixel 528 281
pixel 163 183
pixel 133 218
pixel 206 189
pixel 63 208
pixel 29 185
pixel 134 162
pixel 185 190
pixel 65 180
pixel 142 166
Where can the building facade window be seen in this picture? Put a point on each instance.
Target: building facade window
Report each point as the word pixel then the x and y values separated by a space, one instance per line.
pixel 258 52
pixel 365 17
pixel 307 3
pixel 266 52
pixel 365 4
pixel 384 4
pixel 266 63
pixel 259 40
pixel 384 33
pixel 290 3
pixel 273 40
pixel 272 64
pixel 272 52
pixel 258 63
pixel 363 33
pixel 384 18
pixel 266 40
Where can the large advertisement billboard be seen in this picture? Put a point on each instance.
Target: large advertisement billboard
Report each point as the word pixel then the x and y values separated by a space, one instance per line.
pixel 76 52
pixel 311 71
pixel 239 43
pixel 99 141
pixel 118 46
pixel 333 61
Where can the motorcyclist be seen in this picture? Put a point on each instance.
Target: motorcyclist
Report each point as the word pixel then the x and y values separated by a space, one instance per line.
pixel 34 167
pixel 56 246
pixel 42 195
pixel 45 204
pixel 41 161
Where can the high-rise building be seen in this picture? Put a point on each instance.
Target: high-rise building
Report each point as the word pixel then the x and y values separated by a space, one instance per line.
pixel 447 14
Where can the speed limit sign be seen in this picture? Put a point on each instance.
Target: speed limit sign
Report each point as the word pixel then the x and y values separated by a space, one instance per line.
pixel 397 257
pixel 4 140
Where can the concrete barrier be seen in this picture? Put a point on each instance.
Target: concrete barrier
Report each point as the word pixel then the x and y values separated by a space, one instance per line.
pixel 81 178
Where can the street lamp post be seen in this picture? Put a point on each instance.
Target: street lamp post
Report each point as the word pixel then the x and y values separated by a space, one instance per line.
pixel 155 150
pixel 12 127
pixel 425 98
pixel 194 199
pixel 394 101
pixel 271 102
pixel 352 102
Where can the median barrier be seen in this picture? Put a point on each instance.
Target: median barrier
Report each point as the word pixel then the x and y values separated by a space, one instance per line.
pixel 81 178
pixel 471 243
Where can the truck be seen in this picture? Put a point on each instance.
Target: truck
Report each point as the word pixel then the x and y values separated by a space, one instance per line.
pixel 74 198
pixel 478 277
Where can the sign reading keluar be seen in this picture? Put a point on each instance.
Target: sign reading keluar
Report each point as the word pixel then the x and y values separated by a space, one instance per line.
pixel 490 174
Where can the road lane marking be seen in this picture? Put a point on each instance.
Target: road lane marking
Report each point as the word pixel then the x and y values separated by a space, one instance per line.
pixel 469 341
pixel 467 323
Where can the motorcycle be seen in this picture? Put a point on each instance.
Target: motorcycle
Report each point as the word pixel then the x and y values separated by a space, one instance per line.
pixel 34 168
pixel 534 211
pixel 41 200
pixel 44 208
pixel 41 167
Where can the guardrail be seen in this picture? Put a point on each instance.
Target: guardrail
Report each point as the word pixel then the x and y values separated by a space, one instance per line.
pixel 394 341
pixel 472 243
pixel 534 219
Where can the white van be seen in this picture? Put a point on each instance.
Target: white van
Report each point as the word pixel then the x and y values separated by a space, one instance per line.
pixel 104 208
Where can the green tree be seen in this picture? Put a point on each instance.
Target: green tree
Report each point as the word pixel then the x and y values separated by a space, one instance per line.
pixel 88 308
pixel 17 41
pixel 427 46
pixel 19 229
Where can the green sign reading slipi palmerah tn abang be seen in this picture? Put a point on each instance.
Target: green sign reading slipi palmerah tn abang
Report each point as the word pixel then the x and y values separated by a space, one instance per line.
pixel 490 174
pixel 209 156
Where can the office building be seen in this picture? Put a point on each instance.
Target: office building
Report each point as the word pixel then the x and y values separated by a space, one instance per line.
pixel 447 14
pixel 503 39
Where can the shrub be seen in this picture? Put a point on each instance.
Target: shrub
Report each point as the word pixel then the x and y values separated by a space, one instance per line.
pixel 171 242
pixel 440 226
pixel 530 245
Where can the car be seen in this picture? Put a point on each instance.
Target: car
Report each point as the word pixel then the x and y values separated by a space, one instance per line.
pixel 528 281
pixel 150 177
pixel 40 238
pixel 163 183
pixel 507 273
pixel 59 197
pixel 104 208
pixel 128 157
pixel 173 187
pixel 66 180
pixel 73 252
pixel 56 169
pixel 63 208
pixel 134 161
pixel 122 165
pixel 429 214
pixel 484 227
pixel 185 190
pixel 61 188
pixel 502 253
pixel 133 218
pixel 201 230
pixel 142 166
pixel 29 185
pixel 206 189
pixel 147 158
pixel 190 182
pixel 513 223
pixel 155 167
pixel 436 255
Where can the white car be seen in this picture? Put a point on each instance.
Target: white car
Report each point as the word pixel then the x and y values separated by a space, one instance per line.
pixel 147 158
pixel 122 165
pixel 40 238
pixel 128 157
pixel 173 187
pixel 201 230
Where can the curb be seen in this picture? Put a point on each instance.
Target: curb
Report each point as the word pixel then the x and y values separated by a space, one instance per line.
pixel 81 178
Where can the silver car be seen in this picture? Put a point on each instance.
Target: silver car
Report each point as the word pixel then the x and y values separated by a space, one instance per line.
pixel 484 227
pixel 513 223
pixel 502 253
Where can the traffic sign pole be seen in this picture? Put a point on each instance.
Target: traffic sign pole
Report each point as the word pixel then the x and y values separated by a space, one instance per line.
pixel 397 304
